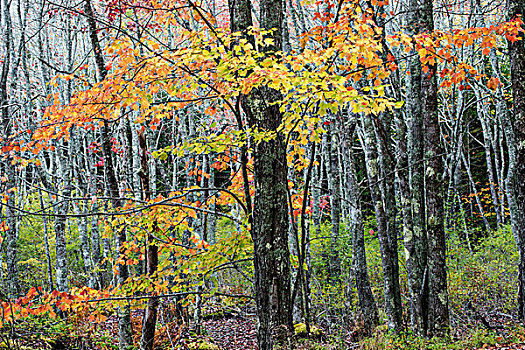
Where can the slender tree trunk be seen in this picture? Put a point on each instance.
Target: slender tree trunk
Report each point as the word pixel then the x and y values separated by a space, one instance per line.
pixel 61 220
pixel 367 302
pixel 389 256
pixel 152 257
pixel 474 191
pixel 46 241
pixel 95 249
pixel 5 166
pixel 84 242
pixel 335 201
pixel 124 315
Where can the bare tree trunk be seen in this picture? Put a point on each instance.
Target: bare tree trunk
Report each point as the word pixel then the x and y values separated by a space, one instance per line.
pixel 517 69
pixel 270 210
pixel 152 257
pixel 475 191
pixel 124 315
pixel 61 210
pixel 334 179
pixel 6 167
pixel 46 241
pixel 389 256
pixel 415 241
pixel 438 321
pixel 367 302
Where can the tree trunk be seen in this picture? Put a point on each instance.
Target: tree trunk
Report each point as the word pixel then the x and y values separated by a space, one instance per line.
pixel 335 201
pixel 517 70
pixel 46 240
pixel 5 166
pixel 60 220
pixel 415 239
pixel 438 321
pixel 152 255
pixel 367 302
pixel 270 210
pixel 124 315
pixel 389 257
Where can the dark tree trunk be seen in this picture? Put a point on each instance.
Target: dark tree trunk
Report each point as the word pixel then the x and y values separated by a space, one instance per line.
pixel 426 247
pixel 152 253
pixel 517 69
pixel 386 184
pixel 124 314
pixel 389 257
pixel 270 211
pixel 438 320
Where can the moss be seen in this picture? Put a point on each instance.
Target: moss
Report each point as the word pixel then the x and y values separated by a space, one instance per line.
pixel 202 345
pixel 217 315
pixel 300 331
pixel 213 315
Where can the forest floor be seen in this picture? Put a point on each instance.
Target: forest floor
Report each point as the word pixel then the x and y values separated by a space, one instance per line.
pixel 482 303
pixel 228 333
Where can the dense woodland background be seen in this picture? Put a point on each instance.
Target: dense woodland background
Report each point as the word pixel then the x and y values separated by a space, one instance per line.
pixel 247 174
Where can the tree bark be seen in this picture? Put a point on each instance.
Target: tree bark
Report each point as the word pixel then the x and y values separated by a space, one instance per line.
pixel 270 210
pixel 438 319
pixel 334 185
pixel 61 219
pixel 367 303
pixel 5 166
pixel 517 69
pixel 415 239
pixel 389 256
pixel 152 255
pixel 124 315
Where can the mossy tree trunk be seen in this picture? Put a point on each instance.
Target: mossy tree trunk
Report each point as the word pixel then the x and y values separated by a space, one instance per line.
pixel 425 245
pixel 517 69
pixel 367 302
pixel 438 318
pixel 389 258
pixel 270 210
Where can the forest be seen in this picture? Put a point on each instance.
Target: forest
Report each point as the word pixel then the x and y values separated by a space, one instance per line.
pixel 262 174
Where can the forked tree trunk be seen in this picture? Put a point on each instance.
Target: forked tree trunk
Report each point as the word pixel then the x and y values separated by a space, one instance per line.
pixel 389 254
pixel 415 238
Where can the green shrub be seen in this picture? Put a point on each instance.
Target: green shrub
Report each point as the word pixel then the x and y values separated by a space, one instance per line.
pixel 484 279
